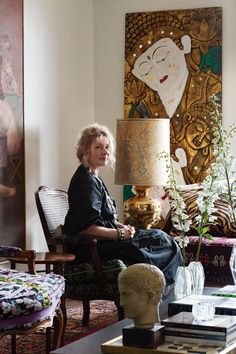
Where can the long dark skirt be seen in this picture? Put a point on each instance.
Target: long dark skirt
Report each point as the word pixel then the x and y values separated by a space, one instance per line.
pixel 147 246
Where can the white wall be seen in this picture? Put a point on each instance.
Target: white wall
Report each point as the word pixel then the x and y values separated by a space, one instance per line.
pixel 73 61
pixel 59 94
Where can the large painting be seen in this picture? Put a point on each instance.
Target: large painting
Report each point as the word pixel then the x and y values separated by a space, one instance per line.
pixel 172 68
pixel 12 184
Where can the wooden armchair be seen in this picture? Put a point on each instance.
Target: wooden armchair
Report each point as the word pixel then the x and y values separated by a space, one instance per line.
pixel 29 301
pixel 84 281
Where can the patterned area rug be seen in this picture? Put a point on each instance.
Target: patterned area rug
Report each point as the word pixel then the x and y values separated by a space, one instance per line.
pixel 102 314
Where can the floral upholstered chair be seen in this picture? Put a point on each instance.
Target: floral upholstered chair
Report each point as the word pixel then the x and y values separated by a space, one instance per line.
pixel 29 301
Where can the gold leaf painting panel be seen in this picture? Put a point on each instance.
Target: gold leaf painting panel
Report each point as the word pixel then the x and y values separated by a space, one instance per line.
pixel 172 68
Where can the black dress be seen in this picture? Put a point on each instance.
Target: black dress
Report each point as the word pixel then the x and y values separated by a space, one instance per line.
pixel 90 203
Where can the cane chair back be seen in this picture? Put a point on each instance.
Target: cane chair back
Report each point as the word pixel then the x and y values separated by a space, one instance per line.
pixel 52 205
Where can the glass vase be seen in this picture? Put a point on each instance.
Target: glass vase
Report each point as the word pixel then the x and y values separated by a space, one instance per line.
pixel 183 283
pixel 198 277
pixel 232 263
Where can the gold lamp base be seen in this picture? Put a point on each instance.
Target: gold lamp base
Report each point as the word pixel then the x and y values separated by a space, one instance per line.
pixel 142 211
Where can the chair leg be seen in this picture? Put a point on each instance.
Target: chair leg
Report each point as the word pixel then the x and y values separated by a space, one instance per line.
pixel 58 323
pixel 13 344
pixel 120 310
pixel 64 313
pixel 48 340
pixel 86 312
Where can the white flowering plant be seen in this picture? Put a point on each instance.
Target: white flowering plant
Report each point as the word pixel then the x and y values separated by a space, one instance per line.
pixel 180 220
pixel 205 201
pixel 211 188
pixel 222 150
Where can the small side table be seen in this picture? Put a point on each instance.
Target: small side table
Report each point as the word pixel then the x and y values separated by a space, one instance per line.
pixel 49 258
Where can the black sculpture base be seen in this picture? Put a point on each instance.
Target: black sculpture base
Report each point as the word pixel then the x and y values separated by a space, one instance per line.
pixel 143 338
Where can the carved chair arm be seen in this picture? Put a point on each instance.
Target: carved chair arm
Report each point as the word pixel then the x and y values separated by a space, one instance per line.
pixel 27 255
pixel 91 243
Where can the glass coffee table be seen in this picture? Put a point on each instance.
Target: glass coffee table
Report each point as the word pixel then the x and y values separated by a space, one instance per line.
pixel 92 344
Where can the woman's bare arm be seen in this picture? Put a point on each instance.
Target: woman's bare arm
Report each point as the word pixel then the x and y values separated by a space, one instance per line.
pixel 105 233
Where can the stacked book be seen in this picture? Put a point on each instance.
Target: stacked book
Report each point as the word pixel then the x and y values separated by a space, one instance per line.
pixel 223 305
pixel 226 291
pixel 183 327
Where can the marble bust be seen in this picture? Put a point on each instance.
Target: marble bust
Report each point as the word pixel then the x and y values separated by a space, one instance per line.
pixel 141 287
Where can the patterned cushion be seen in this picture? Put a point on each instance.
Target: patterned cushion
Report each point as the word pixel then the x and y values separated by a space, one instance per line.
pixel 23 293
pixel 222 227
pixel 81 279
pixel 215 258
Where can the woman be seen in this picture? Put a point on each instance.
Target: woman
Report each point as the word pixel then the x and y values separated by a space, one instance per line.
pixel 92 212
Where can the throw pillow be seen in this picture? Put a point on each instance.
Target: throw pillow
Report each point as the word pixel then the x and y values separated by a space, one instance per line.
pixel 222 226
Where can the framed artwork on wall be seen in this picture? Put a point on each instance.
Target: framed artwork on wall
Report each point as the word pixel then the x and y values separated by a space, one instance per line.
pixel 12 173
pixel 173 65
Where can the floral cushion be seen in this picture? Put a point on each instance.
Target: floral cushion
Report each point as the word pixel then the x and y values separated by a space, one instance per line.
pixel 23 293
pixel 222 227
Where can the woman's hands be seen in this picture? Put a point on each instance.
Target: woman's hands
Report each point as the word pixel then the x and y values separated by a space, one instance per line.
pixel 128 231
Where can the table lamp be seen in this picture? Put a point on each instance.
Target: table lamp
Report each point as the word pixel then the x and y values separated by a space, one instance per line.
pixel 138 141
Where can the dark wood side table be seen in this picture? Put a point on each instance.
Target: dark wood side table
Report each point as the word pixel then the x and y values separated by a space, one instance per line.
pixel 48 259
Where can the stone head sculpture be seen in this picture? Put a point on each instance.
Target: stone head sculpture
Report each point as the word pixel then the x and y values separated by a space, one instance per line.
pixel 141 287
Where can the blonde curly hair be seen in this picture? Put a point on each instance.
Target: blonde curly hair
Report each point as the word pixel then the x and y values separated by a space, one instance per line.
pixel 87 137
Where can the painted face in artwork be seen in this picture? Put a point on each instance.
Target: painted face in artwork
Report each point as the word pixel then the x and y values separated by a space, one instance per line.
pixel 163 68
pixel 199 134
pixel 160 65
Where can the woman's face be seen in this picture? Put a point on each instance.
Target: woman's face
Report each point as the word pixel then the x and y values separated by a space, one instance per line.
pixel 161 66
pixel 98 153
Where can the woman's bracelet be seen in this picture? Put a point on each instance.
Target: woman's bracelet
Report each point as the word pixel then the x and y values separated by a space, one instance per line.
pixel 121 233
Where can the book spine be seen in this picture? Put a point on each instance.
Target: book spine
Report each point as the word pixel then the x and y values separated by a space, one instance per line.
pixel 203 335
pixel 194 327
pixel 224 294
pixel 225 311
pixel 173 309
pixel 193 332
pixel 172 339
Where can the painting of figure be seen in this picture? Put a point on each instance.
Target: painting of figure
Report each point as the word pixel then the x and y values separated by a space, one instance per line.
pixel 172 68
pixel 12 184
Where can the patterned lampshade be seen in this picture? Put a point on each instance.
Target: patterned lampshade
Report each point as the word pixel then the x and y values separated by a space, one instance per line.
pixel 138 141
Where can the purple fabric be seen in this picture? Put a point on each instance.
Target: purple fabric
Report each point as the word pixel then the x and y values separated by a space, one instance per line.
pixel 30 319
pixel 222 241
pixel 8 251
